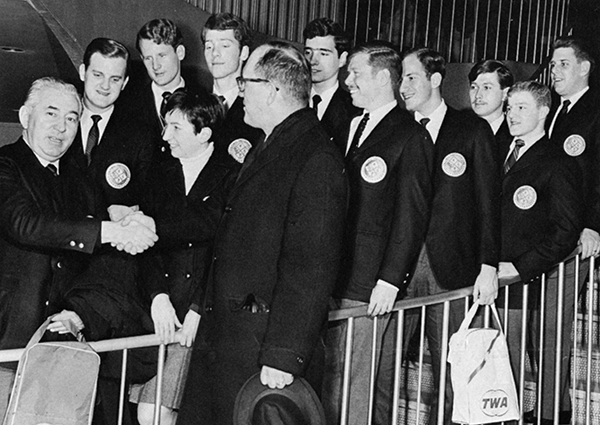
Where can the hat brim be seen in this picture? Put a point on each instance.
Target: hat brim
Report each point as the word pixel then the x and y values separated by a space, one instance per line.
pixel 299 392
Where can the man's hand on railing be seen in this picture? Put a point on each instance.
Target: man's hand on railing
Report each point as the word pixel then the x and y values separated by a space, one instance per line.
pixel 590 243
pixel 382 299
pixel 164 318
pixel 187 334
pixel 485 289
pixel 275 378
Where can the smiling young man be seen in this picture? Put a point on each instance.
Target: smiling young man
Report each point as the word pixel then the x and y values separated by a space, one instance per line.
pixel 326 47
pixel 462 243
pixel 542 216
pixel 388 164
pixel 489 82
pixel 227 40
pixel 111 148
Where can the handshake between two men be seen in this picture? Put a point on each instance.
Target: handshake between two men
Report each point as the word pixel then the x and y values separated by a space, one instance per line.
pixel 129 229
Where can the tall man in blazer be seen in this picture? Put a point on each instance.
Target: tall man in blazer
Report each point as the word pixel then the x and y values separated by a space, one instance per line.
pixel 227 40
pixel 576 127
pixel 277 248
pixel 326 47
pixel 462 243
pixel 43 217
pixel 388 162
pixel 489 82
pixel 542 217
pixel 110 148
pixel 160 44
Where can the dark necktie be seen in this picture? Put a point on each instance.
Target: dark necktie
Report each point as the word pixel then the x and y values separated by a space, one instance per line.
pixel 359 131
pixel 561 114
pixel 223 102
pixel 424 122
pixel 163 106
pixel 52 168
pixel 514 155
pixel 93 137
pixel 316 100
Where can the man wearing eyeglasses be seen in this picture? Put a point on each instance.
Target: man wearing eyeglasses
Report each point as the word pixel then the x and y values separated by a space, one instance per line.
pixel 277 249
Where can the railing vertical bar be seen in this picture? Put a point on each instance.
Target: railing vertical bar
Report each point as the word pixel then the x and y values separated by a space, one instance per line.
pixel 122 387
pixel 402 28
pixel 421 355
pixel 392 22
pixel 518 49
pixel 550 20
pixel 162 348
pixel 398 363
pixel 541 345
pixel 588 389
pixel 373 370
pixel 414 27
pixel 528 32
pixel 507 47
pixel 559 331
pixel 427 23
pixel 444 357
pixel 498 29
pixel 379 20
pixel 537 28
pixel 347 368
pixel 506 295
pixel 575 323
pixel 487 29
pixel 356 39
pixel 368 23
pixel 524 321
pixel 440 28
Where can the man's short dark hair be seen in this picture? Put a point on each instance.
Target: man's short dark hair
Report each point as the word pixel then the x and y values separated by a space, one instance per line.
pixel 286 66
pixel 540 92
pixel 229 21
pixel 488 66
pixel 382 55
pixel 106 47
pixel 431 60
pixel 583 51
pixel 322 27
pixel 201 109
pixel 160 31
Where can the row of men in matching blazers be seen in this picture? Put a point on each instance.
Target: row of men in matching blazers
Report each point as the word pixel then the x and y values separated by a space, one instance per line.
pixel 426 198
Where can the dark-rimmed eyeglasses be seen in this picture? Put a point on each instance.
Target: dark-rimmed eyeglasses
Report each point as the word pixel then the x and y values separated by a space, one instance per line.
pixel 241 82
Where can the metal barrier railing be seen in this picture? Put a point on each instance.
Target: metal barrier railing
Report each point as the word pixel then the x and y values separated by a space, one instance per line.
pixel 586 334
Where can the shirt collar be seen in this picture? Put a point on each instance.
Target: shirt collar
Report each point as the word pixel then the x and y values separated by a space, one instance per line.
pixel 435 119
pixel 230 95
pixel 574 98
pixel 497 123
pixel 158 92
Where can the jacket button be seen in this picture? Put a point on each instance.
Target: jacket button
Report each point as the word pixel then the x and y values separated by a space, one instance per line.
pixel 72 243
pixel 228 208
pixel 187 276
pixel 81 245
pixel 190 245
pixel 300 360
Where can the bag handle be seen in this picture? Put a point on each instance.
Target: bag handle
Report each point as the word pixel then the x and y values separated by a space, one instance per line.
pixel 471 315
pixel 37 335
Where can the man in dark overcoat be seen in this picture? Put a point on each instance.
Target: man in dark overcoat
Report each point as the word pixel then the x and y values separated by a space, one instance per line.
pixel 277 248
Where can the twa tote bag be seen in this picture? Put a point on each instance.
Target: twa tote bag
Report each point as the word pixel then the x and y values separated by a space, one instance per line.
pixel 483 383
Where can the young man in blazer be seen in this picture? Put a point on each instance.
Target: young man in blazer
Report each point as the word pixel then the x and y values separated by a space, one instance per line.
pixel 326 46
pixel 227 39
pixel 462 243
pixel 388 163
pixel 542 217
pixel 489 82
pixel 110 148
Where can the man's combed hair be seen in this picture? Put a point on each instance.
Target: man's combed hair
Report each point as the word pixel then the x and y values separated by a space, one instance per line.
pixel 107 48
pixel 45 83
pixel 382 55
pixel 505 76
pixel 431 60
pixel 540 92
pixel 202 109
pixel 160 31
pixel 322 27
pixel 229 21
pixel 580 47
pixel 288 68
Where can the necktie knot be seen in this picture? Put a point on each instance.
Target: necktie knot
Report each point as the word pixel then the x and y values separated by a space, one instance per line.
pixel 519 143
pixel 316 100
pixel 163 106
pixel 52 168
pixel 565 106
pixel 424 121
pixel 357 135
pixel 514 155
pixel 93 137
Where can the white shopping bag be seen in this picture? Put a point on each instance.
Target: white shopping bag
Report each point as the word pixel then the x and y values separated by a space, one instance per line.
pixel 482 379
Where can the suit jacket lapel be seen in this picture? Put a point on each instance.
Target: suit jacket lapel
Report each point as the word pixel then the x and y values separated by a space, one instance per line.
pixel 209 178
pixel 531 156
pixel 379 133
